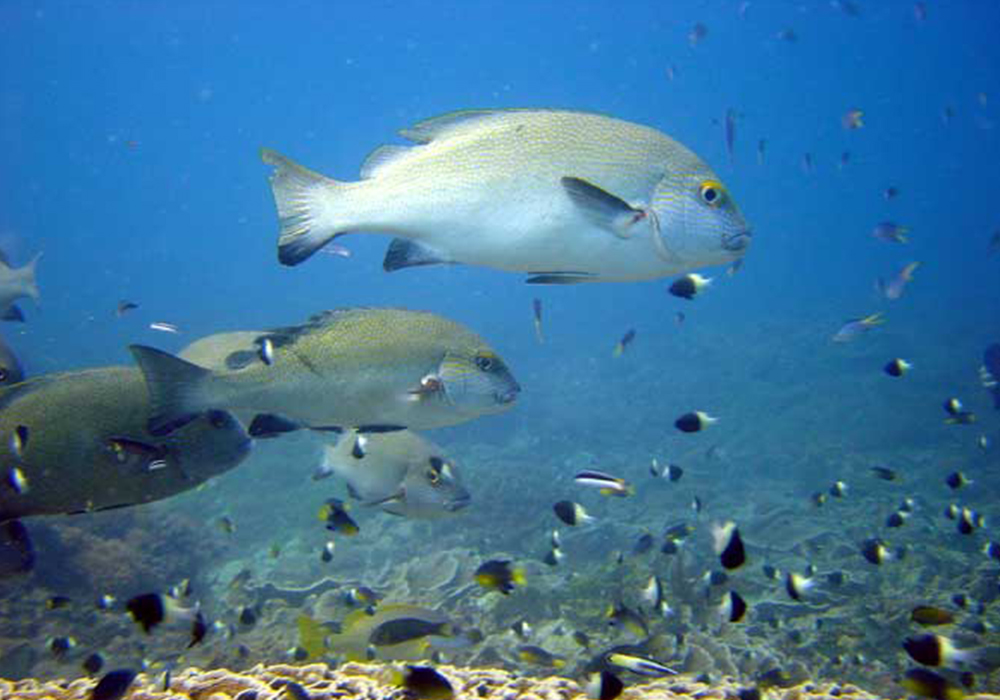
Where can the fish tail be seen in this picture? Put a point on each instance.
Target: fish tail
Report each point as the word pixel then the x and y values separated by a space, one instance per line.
pixel 174 387
pixel 28 278
pixel 307 208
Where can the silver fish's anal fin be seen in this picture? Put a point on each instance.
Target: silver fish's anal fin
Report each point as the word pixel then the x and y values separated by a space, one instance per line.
pixel 603 208
pixel 174 387
pixel 306 203
pixel 397 497
pixel 406 253
pixel 270 425
pixel 556 277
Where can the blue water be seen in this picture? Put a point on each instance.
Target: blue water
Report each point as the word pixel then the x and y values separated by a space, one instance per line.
pixel 130 135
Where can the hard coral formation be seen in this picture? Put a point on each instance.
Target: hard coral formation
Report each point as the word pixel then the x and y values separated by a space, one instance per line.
pixel 355 680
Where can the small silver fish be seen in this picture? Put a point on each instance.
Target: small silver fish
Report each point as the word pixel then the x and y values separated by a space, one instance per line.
pixel 164 327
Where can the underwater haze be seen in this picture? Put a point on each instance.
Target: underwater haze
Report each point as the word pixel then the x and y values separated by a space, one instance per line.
pixel 856 138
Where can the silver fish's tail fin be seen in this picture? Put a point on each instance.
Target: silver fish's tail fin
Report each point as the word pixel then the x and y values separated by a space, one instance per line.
pixel 174 386
pixel 307 203
pixel 28 278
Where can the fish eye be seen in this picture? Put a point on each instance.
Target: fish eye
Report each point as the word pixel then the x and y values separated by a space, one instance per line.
pixel 218 419
pixel 433 477
pixel 484 363
pixel 711 193
pixel 3 374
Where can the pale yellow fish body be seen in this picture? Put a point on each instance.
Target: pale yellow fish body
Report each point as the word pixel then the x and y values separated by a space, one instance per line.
pixel 345 368
pixel 490 188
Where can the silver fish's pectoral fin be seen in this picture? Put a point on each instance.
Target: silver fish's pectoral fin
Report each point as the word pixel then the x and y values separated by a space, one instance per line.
pixel 406 253
pixel 558 277
pixel 603 208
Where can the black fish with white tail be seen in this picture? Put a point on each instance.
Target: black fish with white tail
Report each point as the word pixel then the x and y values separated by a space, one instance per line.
pixel 689 286
pixel 694 422
pixel 634 203
pixel 155 610
pixel 373 369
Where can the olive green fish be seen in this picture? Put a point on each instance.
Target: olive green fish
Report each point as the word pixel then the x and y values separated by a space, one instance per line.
pixel 77 442
pixel 371 369
pixel 400 472
pixel 563 196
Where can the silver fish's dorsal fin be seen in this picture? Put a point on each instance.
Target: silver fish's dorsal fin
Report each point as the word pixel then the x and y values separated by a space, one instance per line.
pixel 380 158
pixel 437 127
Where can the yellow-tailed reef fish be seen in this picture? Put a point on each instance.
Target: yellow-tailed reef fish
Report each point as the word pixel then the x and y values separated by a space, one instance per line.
pixel 77 442
pixel 372 369
pixel 563 196
pixel 16 283
pixel 400 472
pixel 11 371
pixel 361 631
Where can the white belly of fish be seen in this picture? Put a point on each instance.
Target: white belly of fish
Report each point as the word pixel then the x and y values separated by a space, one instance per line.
pixel 522 226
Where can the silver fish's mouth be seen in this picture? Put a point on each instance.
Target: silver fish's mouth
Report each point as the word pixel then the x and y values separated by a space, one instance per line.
pixel 736 242
pixel 509 396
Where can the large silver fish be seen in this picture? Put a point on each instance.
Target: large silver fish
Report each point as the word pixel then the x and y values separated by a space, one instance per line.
pixel 77 442
pixel 16 283
pixel 564 196
pixel 375 369
pixel 400 472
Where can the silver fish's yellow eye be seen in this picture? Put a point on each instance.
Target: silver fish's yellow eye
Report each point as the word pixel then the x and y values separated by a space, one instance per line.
pixel 712 193
pixel 433 477
pixel 484 362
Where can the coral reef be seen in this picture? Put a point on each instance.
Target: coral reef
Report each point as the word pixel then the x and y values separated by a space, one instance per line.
pixel 355 680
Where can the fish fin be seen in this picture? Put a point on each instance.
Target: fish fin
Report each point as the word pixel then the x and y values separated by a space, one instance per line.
pixel 238 359
pixel 303 199
pixel 556 277
pixel 380 158
pixel 174 385
pixel 379 428
pixel 17 554
pixel 437 127
pixel 13 313
pixel 603 208
pixel 269 425
pixel 396 497
pixel 405 253
pixel 28 277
